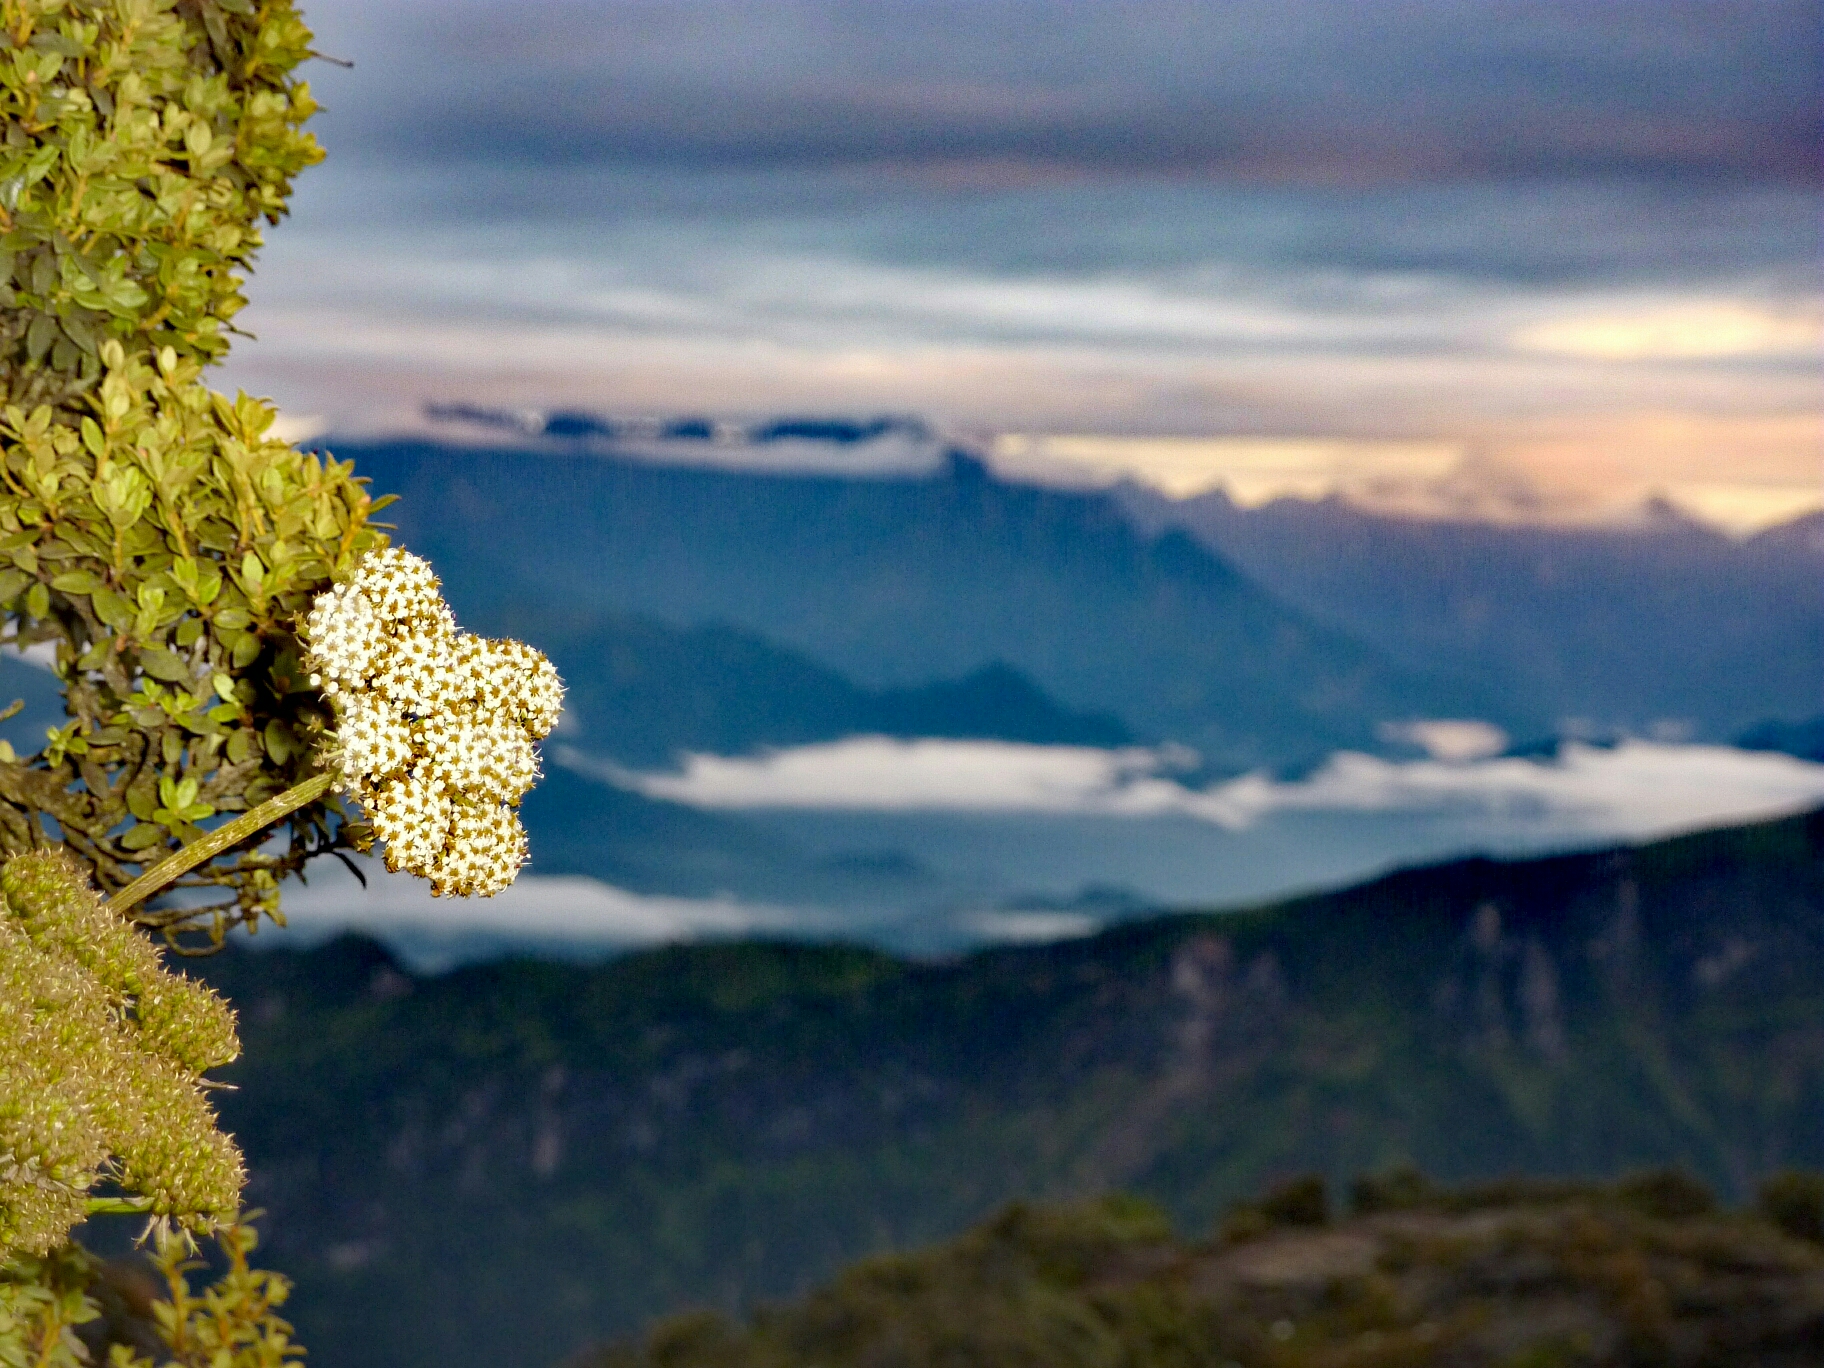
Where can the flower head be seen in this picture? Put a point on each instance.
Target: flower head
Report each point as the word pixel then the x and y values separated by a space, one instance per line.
pixel 435 728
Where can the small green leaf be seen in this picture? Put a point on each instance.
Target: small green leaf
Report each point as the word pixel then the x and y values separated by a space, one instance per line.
pixel 39 337
pixel 280 744
pixel 112 608
pixel 143 835
pixel 163 664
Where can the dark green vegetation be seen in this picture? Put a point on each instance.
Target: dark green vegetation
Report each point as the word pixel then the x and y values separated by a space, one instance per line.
pixel 497 1165
pixel 159 542
pixel 1508 1275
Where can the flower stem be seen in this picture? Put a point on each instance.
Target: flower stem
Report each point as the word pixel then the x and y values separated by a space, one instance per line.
pixel 249 823
pixel 119 1206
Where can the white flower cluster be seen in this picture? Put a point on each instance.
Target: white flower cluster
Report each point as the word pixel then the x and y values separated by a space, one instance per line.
pixel 434 727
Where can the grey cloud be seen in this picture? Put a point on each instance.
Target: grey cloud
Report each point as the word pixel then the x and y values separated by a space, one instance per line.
pixel 1330 91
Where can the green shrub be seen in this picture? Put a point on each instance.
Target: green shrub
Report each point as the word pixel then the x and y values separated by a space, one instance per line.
pixel 1794 1201
pixel 1670 1194
pixel 1398 1189
pixel 102 1069
pixel 162 546
pixel 152 533
pixel 1302 1201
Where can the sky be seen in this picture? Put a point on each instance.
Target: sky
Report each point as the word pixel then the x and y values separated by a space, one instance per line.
pixel 1559 248
pixel 1510 258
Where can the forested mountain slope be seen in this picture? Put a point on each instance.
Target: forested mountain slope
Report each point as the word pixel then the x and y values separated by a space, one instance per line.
pixel 501 1163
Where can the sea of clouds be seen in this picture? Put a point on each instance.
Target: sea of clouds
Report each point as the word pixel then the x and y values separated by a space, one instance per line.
pixel 1635 789
pixel 1011 815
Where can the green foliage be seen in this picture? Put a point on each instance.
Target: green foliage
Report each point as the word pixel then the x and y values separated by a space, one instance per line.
pixel 1668 1192
pixel 42 1302
pixel 100 1080
pixel 161 544
pixel 1398 1189
pixel 151 531
pixel 233 1323
pixel 50 1312
pixel 1302 1201
pixel 145 140
pixel 1015 1293
pixel 1585 1280
pixel 1794 1201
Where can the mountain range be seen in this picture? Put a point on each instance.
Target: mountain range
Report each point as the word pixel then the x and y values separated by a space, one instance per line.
pixel 1257 636
pixel 738 612
pixel 1666 626
pixel 640 692
pixel 498 1164
pixel 897 582
pixel 696 608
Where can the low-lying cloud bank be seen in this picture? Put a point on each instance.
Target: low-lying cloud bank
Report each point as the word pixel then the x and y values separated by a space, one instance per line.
pixel 547 908
pixel 1375 812
pixel 1636 789
pixel 570 916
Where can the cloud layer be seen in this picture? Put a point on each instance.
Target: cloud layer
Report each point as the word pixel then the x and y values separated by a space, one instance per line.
pixel 1328 91
pixel 1055 819
pixel 560 908
pixel 1458 319
pixel 1457 222
pixel 1637 789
